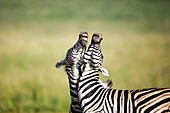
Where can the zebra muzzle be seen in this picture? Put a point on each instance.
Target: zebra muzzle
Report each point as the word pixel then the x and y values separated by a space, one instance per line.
pixel 83 42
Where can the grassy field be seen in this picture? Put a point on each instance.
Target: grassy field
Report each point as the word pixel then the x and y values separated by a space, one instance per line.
pixel 34 35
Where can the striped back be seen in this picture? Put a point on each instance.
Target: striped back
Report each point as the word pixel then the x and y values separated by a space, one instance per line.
pixel 96 98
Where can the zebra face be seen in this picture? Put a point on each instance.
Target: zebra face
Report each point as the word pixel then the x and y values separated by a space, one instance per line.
pixel 96 38
pixel 93 58
pixel 83 36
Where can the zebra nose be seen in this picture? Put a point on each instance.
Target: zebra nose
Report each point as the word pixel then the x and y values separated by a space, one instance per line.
pixel 84 38
pixel 85 35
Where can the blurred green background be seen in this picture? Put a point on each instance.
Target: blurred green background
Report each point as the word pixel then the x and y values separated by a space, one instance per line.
pixel 35 34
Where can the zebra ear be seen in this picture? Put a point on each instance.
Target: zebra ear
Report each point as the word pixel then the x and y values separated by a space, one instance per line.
pixel 104 71
pixel 60 63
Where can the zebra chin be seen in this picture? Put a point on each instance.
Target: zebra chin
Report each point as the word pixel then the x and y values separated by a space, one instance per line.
pixel 83 42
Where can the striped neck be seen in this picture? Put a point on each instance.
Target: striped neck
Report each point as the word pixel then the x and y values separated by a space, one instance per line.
pixel 73 69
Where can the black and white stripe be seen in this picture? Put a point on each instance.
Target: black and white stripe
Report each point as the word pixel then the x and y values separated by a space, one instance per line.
pixel 94 98
pixel 73 64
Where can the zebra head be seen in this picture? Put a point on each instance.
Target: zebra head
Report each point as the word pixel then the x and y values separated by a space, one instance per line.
pixel 93 58
pixel 74 53
pixel 83 36
pixel 96 38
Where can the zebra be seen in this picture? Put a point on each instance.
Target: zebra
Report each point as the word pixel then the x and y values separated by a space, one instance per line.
pixel 95 98
pixel 73 62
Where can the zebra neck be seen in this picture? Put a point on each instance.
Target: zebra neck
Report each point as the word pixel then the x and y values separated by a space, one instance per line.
pixel 73 82
pixel 77 53
pixel 74 71
pixel 77 46
pixel 73 85
pixel 90 74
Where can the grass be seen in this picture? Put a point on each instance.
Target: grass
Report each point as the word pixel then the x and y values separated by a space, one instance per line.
pixel 34 35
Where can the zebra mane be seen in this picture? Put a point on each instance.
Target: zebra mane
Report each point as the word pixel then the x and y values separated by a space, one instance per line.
pixel 108 84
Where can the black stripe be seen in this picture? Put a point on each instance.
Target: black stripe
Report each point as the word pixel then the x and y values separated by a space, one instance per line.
pixel 70 77
pixel 90 75
pixel 96 58
pixel 166 111
pixel 90 85
pixel 73 110
pixel 110 103
pixel 90 93
pixel 73 88
pixel 71 82
pixel 72 57
pixel 133 106
pixel 87 82
pixel 73 94
pixel 112 96
pixel 140 90
pixel 118 100
pixel 106 106
pixel 125 100
pixel 92 62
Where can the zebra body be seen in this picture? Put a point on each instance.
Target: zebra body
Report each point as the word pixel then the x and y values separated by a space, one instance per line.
pixel 95 98
pixel 73 64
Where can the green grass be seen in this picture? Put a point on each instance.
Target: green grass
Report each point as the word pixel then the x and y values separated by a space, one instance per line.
pixel 34 35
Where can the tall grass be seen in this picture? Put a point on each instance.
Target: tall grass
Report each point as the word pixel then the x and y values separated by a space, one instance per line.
pixel 34 35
